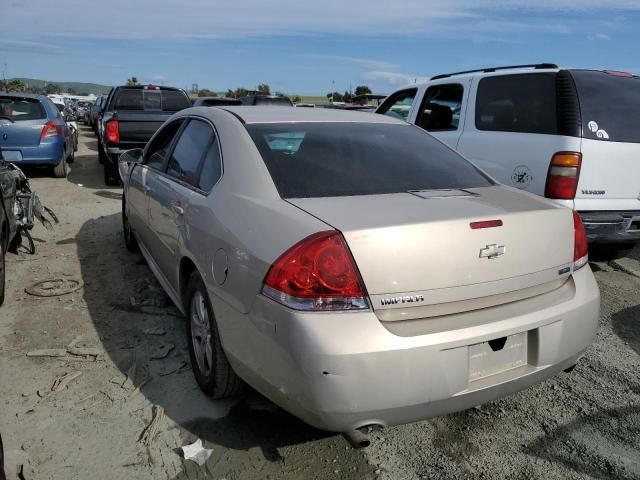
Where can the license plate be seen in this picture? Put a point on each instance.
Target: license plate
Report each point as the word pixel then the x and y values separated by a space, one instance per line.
pixel 487 358
pixel 12 155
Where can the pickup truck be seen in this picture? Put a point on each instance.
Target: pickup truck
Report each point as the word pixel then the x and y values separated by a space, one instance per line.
pixel 130 117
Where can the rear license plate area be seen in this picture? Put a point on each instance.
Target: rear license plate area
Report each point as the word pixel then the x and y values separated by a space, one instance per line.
pixel 497 356
pixel 12 155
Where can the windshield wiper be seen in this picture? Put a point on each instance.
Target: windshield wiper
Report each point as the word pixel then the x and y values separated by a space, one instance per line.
pixel 8 118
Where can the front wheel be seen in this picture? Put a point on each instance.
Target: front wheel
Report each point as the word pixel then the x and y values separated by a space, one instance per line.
pixel 210 366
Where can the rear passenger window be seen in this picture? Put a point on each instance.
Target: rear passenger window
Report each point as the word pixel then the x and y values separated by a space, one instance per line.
pixel 157 152
pixel 517 103
pixel 211 167
pixel 440 109
pixel 188 152
pixel 399 104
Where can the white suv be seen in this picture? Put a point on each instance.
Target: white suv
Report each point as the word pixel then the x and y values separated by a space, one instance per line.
pixel 566 134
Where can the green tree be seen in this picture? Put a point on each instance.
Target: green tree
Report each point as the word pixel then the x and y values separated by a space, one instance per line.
pixel 296 99
pixel 230 94
pixel 71 91
pixel 15 85
pixel 347 97
pixel 335 97
pixel 132 81
pixel 362 90
pixel 264 88
pixel 52 88
pixel 205 92
pixel 240 92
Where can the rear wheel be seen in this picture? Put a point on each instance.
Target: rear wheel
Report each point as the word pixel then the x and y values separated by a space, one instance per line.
pixel 129 238
pixel 60 170
pixel 210 366
pixel 110 174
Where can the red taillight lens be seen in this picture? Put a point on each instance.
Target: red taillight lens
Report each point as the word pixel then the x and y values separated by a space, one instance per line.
pixel 49 130
pixel 564 172
pixel 318 273
pixel 112 131
pixel 581 247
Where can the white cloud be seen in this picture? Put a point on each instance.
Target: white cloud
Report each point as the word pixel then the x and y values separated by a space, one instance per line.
pixel 392 79
pixel 23 46
pixel 602 36
pixel 362 62
pixel 172 19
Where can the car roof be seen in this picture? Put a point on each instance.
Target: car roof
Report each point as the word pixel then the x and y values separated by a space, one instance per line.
pixel 275 114
pixel 23 95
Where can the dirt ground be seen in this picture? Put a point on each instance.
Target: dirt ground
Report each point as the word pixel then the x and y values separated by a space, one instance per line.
pixel 124 356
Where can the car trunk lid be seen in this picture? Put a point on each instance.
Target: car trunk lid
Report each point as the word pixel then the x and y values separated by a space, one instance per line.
pixel 419 256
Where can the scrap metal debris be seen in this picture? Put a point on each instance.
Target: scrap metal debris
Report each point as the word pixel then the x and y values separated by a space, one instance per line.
pixel 54 287
pixel 196 452
pixel 152 430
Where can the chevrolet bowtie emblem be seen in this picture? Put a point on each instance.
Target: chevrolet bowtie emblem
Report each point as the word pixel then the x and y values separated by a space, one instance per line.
pixel 492 251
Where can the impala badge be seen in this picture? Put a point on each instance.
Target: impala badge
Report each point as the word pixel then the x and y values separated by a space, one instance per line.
pixel 492 251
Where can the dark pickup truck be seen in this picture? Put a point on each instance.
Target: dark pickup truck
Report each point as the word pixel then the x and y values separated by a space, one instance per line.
pixel 130 117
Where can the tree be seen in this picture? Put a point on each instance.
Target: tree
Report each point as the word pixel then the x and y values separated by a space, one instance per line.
pixel 335 97
pixel 15 85
pixel 205 92
pixel 264 89
pixel 240 92
pixel 296 99
pixel 71 91
pixel 362 90
pixel 132 81
pixel 52 88
pixel 347 97
pixel 230 94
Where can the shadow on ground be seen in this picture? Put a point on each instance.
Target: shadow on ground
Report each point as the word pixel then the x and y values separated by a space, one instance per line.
pixel 626 324
pixel 602 446
pixel 135 322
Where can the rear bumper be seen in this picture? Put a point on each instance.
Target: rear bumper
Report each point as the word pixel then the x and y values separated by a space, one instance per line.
pixel 340 371
pixel 46 153
pixel 612 227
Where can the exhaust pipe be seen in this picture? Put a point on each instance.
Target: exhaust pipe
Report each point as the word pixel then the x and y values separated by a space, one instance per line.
pixel 356 438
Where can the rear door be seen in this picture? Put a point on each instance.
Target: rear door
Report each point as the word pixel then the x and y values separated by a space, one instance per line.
pixel 170 195
pixel 610 114
pixel 511 128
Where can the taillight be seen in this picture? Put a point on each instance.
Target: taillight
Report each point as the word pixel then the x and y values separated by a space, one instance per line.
pixel 49 130
pixel 317 273
pixel 581 248
pixel 112 131
pixel 564 172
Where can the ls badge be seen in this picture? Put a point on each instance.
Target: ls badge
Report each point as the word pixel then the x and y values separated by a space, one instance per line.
pixel 492 251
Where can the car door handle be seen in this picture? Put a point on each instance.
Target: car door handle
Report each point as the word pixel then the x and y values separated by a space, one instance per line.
pixel 177 209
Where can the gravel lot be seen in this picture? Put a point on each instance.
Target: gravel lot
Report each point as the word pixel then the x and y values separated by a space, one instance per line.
pixel 585 424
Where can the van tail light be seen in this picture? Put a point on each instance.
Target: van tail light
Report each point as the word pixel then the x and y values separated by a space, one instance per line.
pixel 112 131
pixel 317 274
pixel 50 129
pixel 581 248
pixel 564 172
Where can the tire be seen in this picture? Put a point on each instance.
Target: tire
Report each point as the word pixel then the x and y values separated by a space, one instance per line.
pixel 2 277
pixel 110 174
pixel 213 372
pixel 60 170
pixel 129 238
pixel 101 154
pixel 72 157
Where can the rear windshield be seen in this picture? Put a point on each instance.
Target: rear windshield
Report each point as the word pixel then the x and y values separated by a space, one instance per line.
pixel 20 109
pixel 140 99
pixel 609 106
pixel 281 101
pixel 326 159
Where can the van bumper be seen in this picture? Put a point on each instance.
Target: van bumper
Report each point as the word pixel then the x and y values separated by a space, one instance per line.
pixel 612 226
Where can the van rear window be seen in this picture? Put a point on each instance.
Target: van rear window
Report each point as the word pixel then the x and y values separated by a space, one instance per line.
pixel 609 105
pixel 308 160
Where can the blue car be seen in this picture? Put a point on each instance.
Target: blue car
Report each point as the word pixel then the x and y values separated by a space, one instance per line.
pixel 33 132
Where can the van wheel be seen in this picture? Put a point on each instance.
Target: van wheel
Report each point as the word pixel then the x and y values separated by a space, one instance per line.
pixel 60 170
pixel 129 238
pixel 210 366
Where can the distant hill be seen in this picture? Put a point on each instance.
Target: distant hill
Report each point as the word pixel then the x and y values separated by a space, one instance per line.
pixel 80 88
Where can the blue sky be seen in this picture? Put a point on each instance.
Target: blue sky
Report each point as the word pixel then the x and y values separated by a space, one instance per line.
pixel 303 47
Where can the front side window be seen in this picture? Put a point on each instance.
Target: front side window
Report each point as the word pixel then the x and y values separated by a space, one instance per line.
pixel 328 159
pixel 157 152
pixel 523 103
pixel 399 104
pixel 190 148
pixel 440 110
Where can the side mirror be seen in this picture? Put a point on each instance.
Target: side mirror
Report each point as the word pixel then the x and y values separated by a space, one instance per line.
pixel 132 156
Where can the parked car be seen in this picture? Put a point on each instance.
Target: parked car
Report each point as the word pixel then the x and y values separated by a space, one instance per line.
pixel 71 121
pixel 82 109
pixel 130 116
pixel 266 100
pixel 95 110
pixel 215 101
pixel 33 132
pixel 352 268
pixel 8 227
pixel 550 131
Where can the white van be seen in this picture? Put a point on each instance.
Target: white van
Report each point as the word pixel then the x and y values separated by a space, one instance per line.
pixel 566 134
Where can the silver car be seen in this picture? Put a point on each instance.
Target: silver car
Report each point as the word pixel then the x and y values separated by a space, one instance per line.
pixel 352 268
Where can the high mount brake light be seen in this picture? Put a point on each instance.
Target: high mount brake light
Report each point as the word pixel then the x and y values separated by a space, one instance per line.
pixel 49 130
pixel 112 131
pixel 581 246
pixel 563 175
pixel 485 224
pixel 317 274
